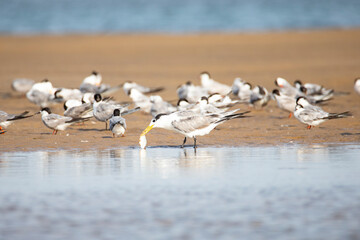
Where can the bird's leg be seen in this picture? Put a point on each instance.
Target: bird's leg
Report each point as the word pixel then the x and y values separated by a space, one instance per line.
pixel 53 132
pixel 113 135
pixel 0 128
pixel 309 127
pixel 56 132
pixel 182 146
pixel 195 142
pixel 290 115
pixel 105 125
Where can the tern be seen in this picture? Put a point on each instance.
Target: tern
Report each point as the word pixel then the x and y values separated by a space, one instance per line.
pixel 84 110
pixel 103 110
pixel 284 102
pixel 221 101
pixel 357 86
pixel 313 117
pixel 190 92
pixel 42 94
pixel 140 100
pixel 56 122
pixel 158 105
pixel 22 85
pixel 213 86
pixel 313 89
pixel 67 94
pixel 287 89
pixel 6 119
pixel 242 89
pixel 191 124
pixel 117 124
pixel 259 96
pixel 133 85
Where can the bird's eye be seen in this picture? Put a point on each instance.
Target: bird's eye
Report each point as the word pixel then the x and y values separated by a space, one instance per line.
pixel 153 120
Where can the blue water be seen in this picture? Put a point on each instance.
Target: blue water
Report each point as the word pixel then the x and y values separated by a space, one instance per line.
pixel 282 192
pixel 173 16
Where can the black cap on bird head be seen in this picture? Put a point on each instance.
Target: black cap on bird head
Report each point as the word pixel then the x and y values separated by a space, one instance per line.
pixel 205 72
pixel 46 110
pixel 298 82
pixel 94 73
pixel 276 92
pixel 182 100
pixel 261 90
pixel 299 98
pixel 116 112
pixel 303 89
pixel 45 80
pixel 204 98
pixel 97 97
pixel 56 93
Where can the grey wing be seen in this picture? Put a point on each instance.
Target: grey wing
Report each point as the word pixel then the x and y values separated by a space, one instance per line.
pixel 105 111
pixel 309 115
pixel 54 120
pixel 4 116
pixel 192 123
pixel 78 111
pixel 116 120
pixel 86 87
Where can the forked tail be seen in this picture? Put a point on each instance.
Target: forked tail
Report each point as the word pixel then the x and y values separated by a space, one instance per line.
pixel 233 116
pixel 338 115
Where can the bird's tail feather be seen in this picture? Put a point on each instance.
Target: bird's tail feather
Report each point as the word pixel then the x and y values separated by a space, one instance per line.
pixel 233 116
pixel 130 111
pixel 74 120
pixel 154 90
pixel 21 116
pixel 338 115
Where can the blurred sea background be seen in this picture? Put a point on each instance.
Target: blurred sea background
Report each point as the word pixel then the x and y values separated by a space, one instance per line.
pixel 29 17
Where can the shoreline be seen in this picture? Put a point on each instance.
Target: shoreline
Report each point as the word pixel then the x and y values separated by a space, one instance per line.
pixel 327 57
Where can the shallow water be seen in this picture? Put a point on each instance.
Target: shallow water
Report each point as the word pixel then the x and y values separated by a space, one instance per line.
pixel 281 192
pixel 170 16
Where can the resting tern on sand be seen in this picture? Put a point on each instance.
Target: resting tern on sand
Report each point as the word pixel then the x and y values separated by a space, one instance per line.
pixel 42 94
pixel 67 94
pixel 259 96
pixel 133 85
pixel 287 89
pixel 84 110
pixel 312 89
pixel 190 123
pixel 315 116
pixel 158 105
pixel 242 89
pixel 6 119
pixel 284 102
pixel 357 86
pixel 140 100
pixel 92 84
pixel 103 110
pixel 117 124
pixel 221 101
pixel 22 85
pixel 213 86
pixel 56 122
pixel 190 92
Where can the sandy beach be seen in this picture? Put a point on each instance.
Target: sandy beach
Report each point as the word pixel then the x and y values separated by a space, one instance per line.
pixel 330 58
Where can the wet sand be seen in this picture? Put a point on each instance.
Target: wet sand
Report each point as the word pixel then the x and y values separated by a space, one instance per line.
pixel 330 58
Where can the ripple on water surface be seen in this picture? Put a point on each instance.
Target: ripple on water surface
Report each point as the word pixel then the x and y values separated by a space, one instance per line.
pixel 286 192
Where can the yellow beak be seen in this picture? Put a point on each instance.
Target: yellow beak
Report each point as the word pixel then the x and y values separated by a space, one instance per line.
pixel 147 130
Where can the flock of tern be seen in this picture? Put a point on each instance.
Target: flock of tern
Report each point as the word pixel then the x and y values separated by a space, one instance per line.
pixel 199 110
